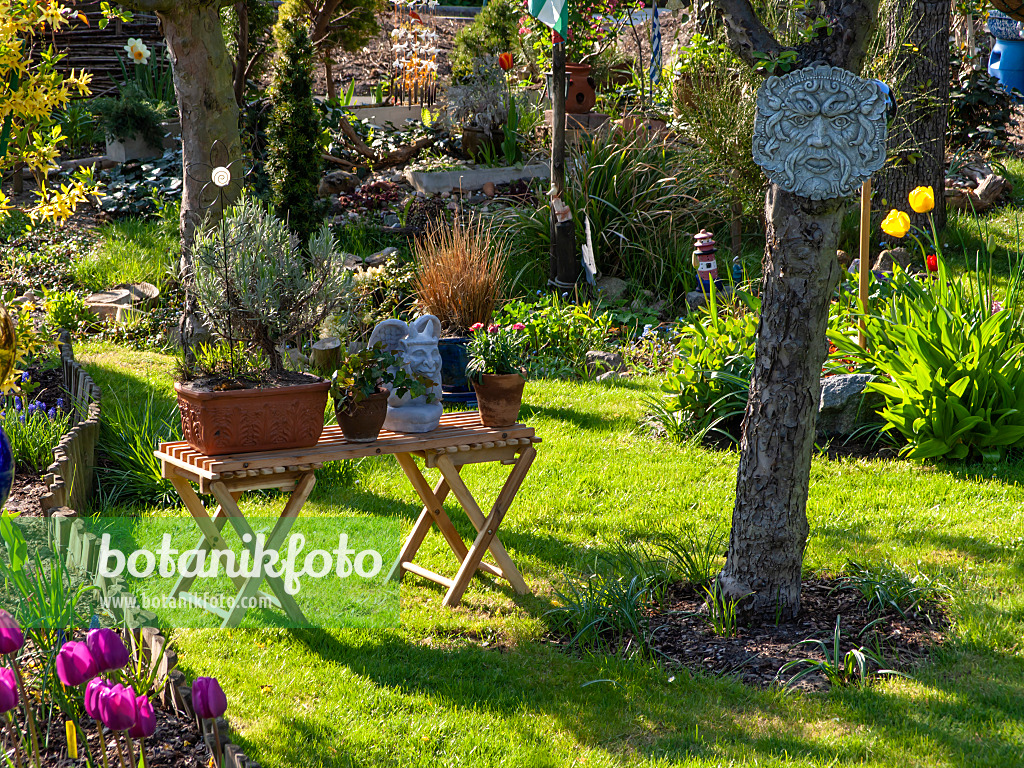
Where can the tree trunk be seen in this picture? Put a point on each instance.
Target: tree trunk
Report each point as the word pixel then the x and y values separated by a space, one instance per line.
pixel 769 521
pixel 917 139
pixel 242 59
pixel 209 112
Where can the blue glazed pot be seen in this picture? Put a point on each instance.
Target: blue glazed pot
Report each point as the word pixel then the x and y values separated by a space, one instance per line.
pixel 6 467
pixel 1006 64
pixel 1003 27
pixel 454 359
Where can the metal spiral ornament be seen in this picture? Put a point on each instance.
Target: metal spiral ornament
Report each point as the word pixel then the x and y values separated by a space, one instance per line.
pixel 221 176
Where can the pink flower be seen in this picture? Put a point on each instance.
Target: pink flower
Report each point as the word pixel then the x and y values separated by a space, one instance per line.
pixel 492 328
pixel 518 327
pixel 476 326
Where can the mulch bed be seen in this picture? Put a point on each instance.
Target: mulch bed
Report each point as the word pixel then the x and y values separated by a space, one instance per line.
pixel 27 490
pixel 177 743
pixel 682 635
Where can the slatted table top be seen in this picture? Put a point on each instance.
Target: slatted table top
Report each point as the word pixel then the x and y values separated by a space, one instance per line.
pixel 455 430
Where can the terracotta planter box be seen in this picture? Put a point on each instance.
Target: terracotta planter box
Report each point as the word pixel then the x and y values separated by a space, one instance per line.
pixel 250 420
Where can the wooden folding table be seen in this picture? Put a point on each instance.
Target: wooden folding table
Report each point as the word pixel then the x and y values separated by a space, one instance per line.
pixel 459 440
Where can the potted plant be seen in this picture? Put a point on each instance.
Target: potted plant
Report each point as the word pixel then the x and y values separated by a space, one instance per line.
pixel 459 280
pixel 360 394
pixel 132 123
pixel 478 106
pixel 258 291
pixel 496 356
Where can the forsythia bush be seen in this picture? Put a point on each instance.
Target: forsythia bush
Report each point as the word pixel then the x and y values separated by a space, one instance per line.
pixel 30 91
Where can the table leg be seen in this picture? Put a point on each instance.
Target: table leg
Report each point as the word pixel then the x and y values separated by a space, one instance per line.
pixel 303 488
pixel 433 505
pixel 489 529
pixel 476 516
pixel 419 532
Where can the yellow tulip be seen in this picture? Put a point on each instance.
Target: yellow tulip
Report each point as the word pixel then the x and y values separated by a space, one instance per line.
pixel 922 199
pixel 896 224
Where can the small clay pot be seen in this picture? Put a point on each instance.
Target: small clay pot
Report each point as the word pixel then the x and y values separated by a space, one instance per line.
pixel 475 139
pixel 364 422
pixel 499 397
pixel 580 96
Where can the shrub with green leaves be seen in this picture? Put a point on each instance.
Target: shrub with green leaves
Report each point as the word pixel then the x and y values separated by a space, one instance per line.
pixel 131 113
pixel 293 135
pixel 494 30
pixel 953 362
pixel 559 333
pixel 706 387
pixel 65 309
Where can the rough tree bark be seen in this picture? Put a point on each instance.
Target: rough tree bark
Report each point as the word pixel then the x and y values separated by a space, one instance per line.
pixel 769 521
pixel 917 38
pixel 206 101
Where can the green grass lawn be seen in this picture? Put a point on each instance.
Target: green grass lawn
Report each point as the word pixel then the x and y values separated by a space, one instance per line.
pixel 479 686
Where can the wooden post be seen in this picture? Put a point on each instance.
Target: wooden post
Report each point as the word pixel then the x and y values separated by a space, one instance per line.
pixel 865 256
pixel 561 275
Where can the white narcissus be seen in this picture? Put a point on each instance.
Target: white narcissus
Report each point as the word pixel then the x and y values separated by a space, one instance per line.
pixel 137 50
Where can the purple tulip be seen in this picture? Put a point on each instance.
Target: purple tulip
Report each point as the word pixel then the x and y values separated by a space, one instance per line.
pixel 107 649
pixel 117 707
pixel 93 690
pixel 11 638
pixel 208 700
pixel 145 722
pixel 8 690
pixel 75 664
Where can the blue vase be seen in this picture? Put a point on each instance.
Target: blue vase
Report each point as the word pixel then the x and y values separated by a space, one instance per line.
pixel 454 359
pixel 1006 62
pixel 6 467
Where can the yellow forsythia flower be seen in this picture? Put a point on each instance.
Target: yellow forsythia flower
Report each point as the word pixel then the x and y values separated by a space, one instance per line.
pixel 922 199
pixel 896 224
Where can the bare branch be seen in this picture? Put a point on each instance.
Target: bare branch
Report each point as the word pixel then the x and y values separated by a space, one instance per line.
pixel 746 33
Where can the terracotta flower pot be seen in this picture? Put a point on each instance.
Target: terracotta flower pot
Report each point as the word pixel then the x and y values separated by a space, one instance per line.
pixel 364 423
pixel 580 96
pixel 250 420
pixel 499 398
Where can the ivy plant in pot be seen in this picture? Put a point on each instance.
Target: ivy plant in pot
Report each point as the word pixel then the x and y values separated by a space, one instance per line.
pixel 496 356
pixel 360 394
pixel 459 280
pixel 259 291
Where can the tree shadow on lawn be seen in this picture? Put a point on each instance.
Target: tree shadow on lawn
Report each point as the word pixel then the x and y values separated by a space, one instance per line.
pixel 594 422
pixel 693 716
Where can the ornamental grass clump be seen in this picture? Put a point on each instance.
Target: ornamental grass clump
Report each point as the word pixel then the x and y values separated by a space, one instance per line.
pixel 255 284
pixel 460 275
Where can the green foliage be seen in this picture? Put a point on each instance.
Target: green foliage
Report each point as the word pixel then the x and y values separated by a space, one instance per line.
pixel 351 26
pixel 851 668
pixel 641 197
pixel 254 284
pixel 954 367
pixel 706 387
pixel 34 429
pixel 980 108
pixel 293 134
pixel 131 430
pixel 131 113
pixel 131 250
pixel 721 611
pixel 497 350
pixel 887 587
pixel 65 309
pixel 367 371
pixel 494 30
pixel 559 333
pixel 155 78
pixel 232 361
pixel 695 558
pixel 78 124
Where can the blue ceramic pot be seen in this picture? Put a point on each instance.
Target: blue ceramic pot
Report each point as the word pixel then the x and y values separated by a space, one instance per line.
pixel 1003 27
pixel 454 358
pixel 6 467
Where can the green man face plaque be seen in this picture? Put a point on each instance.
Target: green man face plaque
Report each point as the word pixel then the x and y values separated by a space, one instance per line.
pixel 820 132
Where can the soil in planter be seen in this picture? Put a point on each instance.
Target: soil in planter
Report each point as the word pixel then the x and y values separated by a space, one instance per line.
pixel 27 490
pixel 177 743
pixel 270 380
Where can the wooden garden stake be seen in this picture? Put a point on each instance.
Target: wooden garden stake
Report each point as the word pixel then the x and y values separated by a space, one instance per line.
pixel 865 256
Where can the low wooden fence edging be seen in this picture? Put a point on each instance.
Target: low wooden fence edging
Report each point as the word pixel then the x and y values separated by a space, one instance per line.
pixel 69 479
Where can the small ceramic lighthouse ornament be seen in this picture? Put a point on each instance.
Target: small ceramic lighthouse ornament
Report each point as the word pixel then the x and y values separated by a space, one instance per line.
pixel 704 259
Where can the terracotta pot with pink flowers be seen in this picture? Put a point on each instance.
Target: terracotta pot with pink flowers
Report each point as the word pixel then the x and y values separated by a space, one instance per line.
pixel 497 359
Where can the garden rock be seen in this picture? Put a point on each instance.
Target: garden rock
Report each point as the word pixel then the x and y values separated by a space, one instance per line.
pixel 337 183
pixel 113 296
pixel 697 299
pixel 844 405
pixel 613 288
pixel 886 259
pixel 608 376
pixel 603 362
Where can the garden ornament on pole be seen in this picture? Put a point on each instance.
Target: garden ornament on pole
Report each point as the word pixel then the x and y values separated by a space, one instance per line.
pixel 565 266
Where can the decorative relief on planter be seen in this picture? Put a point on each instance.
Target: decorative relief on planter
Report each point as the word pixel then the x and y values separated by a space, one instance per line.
pixel 820 132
